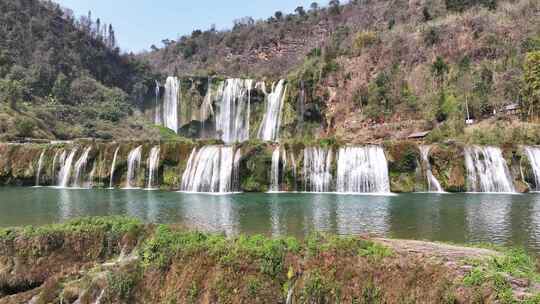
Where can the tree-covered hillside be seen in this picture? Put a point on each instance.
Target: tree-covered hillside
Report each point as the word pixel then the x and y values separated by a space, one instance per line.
pixel 380 69
pixel 62 77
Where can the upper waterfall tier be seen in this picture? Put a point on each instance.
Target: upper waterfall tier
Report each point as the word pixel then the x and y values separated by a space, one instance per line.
pixel 170 103
pixel 233 112
pixel 487 170
pixel 269 129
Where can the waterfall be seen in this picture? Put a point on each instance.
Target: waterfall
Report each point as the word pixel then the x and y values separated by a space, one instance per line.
pixel 90 182
pixel 533 153
pixel 157 116
pixel 274 176
pixel 487 170
pixel 134 163
pixel 65 171
pixel 301 104
pixel 232 120
pixel 80 167
pixel 40 165
pixel 269 130
pixel 294 170
pixel 113 166
pixel 317 165
pixel 433 183
pixel 170 103
pixel 362 170
pixel 53 170
pixel 207 109
pixel 153 165
pixel 212 169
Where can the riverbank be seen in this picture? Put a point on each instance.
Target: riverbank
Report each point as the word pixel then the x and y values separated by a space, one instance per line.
pixel 119 260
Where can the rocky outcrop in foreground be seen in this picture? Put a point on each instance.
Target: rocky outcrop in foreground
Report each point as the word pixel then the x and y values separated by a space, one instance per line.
pixel 118 260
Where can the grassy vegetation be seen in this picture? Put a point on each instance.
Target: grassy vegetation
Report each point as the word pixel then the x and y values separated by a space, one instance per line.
pixel 322 268
pixel 494 273
pixel 114 226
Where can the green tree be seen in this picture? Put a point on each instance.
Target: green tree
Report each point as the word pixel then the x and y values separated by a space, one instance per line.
pixel 11 91
pixel 61 88
pixel 439 69
pixel 334 7
pixel 531 90
pixel 300 11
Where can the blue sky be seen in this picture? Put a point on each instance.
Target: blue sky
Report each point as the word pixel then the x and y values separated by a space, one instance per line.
pixel 140 23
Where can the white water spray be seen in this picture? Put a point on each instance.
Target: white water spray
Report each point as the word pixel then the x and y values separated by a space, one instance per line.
pixel 212 169
pixel 113 167
pixel 157 115
pixel 274 175
pixel 362 170
pixel 432 182
pixel 317 165
pixel 153 165
pixel 170 103
pixel 232 120
pixel 487 170
pixel 134 164
pixel 269 130
pixel 533 153
pixel 65 171
pixel 80 168
pixel 40 165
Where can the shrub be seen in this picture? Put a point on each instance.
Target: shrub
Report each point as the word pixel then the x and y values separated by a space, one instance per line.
pixel 365 39
pixel 25 126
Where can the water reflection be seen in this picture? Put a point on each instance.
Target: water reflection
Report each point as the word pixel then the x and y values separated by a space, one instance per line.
pixel 503 219
pixel 488 217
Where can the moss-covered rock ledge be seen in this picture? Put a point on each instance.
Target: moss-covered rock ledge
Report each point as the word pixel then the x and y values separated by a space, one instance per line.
pixel 118 260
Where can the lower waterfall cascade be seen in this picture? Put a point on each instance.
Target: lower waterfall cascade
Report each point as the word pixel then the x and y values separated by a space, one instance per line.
pixel 487 170
pixel 533 153
pixel 270 167
pixel 362 170
pixel 432 182
pixel 64 174
pixel 113 167
pixel 153 165
pixel 40 166
pixel 134 164
pixel 80 168
pixel 317 166
pixel 212 169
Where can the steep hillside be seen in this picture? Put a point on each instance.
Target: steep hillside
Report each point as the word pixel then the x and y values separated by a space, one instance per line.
pixel 64 78
pixel 374 70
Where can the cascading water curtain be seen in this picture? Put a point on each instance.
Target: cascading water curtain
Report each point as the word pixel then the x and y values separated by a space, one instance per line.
pixel 212 169
pixel 134 163
pixel 271 123
pixel 170 103
pixel 317 166
pixel 533 153
pixel 487 170
pixel 234 104
pixel 432 182
pixel 362 170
